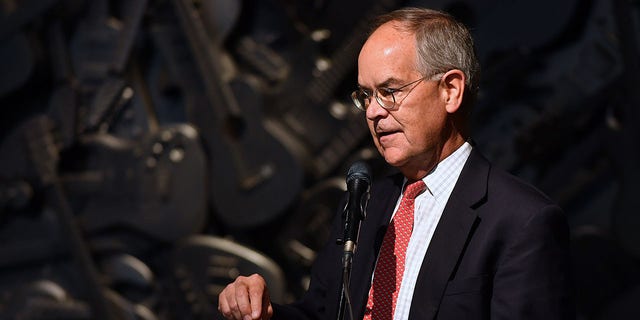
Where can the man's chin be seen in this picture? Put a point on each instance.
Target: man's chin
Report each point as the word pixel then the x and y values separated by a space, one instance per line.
pixel 394 160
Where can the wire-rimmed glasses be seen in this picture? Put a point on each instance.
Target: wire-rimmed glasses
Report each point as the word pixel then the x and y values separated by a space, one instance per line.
pixel 386 97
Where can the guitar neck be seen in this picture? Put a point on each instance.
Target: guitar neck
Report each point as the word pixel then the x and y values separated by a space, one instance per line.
pixel 342 61
pixel 208 59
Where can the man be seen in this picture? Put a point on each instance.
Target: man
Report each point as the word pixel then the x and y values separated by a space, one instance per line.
pixel 475 243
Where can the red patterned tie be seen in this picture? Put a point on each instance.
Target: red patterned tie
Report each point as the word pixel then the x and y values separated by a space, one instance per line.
pixel 390 267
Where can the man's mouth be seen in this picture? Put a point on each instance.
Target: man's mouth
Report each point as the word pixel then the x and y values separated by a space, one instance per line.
pixel 382 133
pixel 385 134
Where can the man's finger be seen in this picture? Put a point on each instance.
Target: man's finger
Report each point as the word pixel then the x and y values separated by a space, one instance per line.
pixel 256 297
pixel 243 300
pixel 226 302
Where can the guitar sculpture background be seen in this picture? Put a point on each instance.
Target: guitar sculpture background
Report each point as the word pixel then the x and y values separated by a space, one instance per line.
pixel 151 151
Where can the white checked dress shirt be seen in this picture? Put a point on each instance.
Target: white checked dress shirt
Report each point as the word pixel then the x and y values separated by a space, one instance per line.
pixel 428 210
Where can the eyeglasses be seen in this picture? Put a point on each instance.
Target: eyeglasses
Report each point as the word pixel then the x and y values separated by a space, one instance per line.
pixel 386 97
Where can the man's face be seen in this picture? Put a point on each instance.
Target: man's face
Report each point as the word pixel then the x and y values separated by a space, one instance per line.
pixel 411 134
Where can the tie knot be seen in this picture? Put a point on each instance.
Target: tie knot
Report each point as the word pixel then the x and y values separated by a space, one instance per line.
pixel 413 189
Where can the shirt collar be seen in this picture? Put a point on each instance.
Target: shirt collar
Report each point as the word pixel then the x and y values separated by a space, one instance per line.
pixel 444 176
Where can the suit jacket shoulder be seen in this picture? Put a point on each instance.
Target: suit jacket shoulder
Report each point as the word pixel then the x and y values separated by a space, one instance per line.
pixel 499 243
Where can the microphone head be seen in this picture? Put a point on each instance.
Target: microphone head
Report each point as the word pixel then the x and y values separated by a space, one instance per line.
pixel 359 170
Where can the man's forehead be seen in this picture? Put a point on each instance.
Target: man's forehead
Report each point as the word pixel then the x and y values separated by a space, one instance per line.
pixel 386 68
pixel 384 46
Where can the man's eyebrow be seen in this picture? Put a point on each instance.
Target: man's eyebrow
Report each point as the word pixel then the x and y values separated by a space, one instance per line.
pixel 386 83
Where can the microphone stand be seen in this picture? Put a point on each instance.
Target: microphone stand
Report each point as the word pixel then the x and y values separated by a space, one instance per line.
pixel 358 182
pixel 351 231
pixel 346 278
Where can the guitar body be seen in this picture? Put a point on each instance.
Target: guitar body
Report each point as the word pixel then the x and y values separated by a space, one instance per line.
pixel 153 186
pixel 254 177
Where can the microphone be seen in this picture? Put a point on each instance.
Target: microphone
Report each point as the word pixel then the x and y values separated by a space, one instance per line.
pixel 358 182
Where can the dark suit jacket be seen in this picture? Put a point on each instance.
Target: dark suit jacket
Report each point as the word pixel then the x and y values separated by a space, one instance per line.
pixel 500 251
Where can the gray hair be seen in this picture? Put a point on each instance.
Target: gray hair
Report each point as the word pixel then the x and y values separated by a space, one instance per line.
pixel 442 44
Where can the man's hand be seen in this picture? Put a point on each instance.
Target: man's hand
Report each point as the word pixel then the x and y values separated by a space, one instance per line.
pixel 246 298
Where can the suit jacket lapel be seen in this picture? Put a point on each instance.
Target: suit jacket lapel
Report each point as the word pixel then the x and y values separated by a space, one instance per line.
pixel 450 237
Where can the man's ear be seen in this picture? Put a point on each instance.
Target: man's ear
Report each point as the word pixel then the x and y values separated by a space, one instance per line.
pixel 453 89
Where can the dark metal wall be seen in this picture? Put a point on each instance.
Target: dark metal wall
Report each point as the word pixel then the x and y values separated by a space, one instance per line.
pixel 150 151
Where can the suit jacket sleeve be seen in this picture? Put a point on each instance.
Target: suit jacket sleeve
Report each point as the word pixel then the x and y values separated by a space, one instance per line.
pixel 321 299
